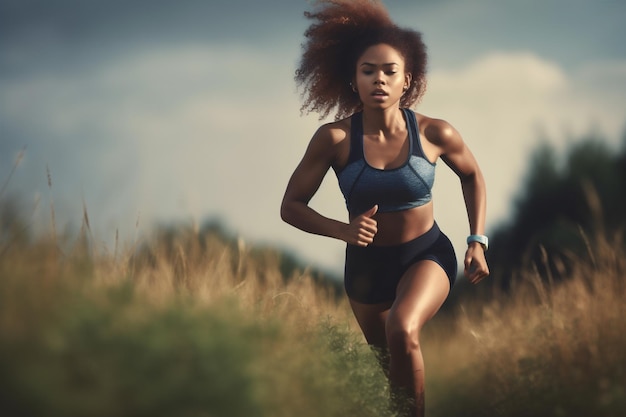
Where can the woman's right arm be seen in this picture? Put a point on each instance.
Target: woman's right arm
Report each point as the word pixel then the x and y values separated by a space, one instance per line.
pixel 304 183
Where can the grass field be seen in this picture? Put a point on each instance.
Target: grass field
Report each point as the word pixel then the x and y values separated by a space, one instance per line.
pixel 187 324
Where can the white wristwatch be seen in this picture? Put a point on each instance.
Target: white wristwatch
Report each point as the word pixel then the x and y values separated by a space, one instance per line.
pixel 482 239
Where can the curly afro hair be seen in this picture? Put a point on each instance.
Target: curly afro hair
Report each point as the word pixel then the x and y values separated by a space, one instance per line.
pixel 341 31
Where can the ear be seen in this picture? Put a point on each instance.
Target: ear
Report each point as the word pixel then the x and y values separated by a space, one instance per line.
pixel 408 77
pixel 353 85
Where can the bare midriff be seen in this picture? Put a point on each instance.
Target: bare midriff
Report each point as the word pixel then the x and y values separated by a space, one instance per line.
pixel 398 227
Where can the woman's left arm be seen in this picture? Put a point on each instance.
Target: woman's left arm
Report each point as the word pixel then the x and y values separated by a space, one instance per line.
pixel 456 154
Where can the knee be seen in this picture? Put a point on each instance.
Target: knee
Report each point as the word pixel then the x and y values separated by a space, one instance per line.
pixel 402 338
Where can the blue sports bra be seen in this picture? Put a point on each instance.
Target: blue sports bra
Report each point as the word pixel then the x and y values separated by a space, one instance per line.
pixel 401 188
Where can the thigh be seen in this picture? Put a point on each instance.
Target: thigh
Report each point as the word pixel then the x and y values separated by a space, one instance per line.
pixel 372 319
pixel 421 291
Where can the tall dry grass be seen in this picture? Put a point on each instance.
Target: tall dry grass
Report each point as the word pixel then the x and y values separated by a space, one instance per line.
pixel 183 324
pixel 545 348
pixel 188 324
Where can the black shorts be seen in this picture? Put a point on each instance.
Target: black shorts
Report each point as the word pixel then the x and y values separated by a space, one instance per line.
pixel 372 273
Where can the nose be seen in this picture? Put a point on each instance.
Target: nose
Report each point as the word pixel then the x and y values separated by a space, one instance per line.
pixel 380 79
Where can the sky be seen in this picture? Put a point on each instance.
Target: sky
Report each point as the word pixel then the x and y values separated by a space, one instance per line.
pixel 150 112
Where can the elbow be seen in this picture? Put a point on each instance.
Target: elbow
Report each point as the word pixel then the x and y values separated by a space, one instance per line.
pixel 291 212
pixel 474 177
pixel 286 214
pixel 468 180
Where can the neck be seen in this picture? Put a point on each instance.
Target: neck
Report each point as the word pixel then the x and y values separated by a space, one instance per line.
pixel 382 120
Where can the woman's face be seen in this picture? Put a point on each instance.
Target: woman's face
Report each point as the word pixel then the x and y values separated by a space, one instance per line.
pixel 380 78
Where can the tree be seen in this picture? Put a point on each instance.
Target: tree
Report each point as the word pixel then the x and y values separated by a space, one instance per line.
pixel 562 205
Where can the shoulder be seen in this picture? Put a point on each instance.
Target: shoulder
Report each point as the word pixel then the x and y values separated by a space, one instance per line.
pixel 333 133
pixel 439 132
pixel 330 141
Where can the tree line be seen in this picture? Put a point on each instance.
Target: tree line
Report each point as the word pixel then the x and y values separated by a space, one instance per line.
pixel 566 203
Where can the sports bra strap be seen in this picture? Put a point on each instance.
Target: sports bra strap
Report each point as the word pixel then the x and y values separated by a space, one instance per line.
pixel 413 132
pixel 356 137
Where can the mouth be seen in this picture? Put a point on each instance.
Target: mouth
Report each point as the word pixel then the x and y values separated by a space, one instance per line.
pixel 379 93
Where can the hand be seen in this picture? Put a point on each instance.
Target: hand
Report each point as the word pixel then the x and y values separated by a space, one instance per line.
pixel 362 229
pixel 476 267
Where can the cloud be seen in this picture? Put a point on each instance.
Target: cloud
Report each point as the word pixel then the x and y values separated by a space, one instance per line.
pixel 495 102
pixel 503 104
pixel 192 112
pixel 598 94
pixel 187 131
